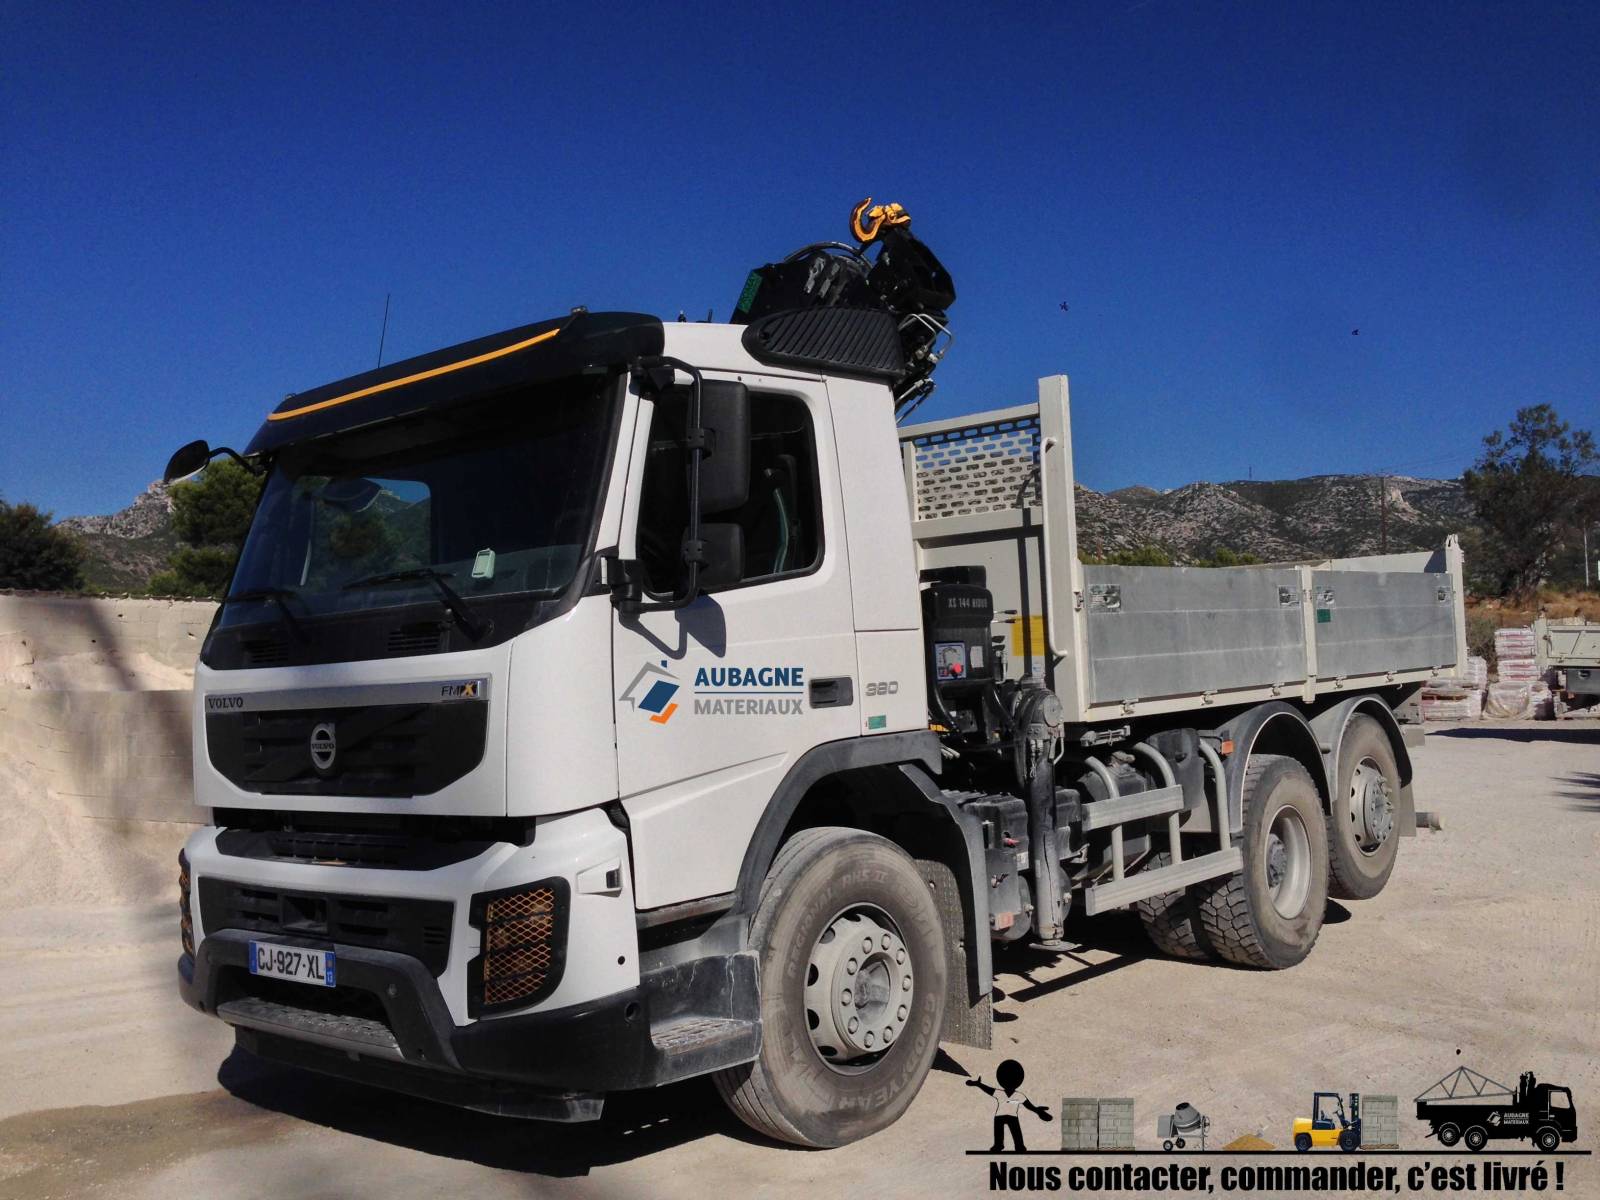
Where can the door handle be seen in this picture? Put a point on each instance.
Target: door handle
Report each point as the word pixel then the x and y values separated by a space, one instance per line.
pixel 835 692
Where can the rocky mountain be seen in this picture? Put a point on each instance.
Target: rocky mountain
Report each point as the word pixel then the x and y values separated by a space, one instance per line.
pixel 1323 515
pixel 1276 520
pixel 129 546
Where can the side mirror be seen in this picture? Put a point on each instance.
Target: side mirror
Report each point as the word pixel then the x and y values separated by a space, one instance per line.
pixel 186 460
pixel 725 466
pixel 722 555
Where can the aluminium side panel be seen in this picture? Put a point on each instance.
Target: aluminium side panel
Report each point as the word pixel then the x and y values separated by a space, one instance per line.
pixel 1156 632
pixel 1383 622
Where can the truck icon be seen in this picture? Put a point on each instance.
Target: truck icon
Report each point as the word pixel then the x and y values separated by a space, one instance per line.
pixel 1468 1107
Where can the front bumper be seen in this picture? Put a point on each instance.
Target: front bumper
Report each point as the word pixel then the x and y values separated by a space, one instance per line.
pixel 549 1064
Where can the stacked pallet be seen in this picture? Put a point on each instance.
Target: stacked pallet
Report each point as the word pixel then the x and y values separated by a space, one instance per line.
pixel 1457 696
pixel 1521 691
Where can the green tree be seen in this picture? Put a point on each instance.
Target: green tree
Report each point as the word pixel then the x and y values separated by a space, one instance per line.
pixel 1225 557
pixel 1532 487
pixel 1139 556
pixel 34 554
pixel 212 515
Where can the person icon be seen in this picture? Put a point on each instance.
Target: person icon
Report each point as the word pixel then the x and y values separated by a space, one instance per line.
pixel 1009 1102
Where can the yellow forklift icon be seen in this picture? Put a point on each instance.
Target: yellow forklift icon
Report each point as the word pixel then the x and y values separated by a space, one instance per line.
pixel 1328 1126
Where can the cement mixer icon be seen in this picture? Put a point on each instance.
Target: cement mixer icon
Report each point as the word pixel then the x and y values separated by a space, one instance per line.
pixel 1184 1122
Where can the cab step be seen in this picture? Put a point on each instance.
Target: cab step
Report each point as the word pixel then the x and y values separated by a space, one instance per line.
pixel 1120 893
pixel 356 1035
pixel 687 1034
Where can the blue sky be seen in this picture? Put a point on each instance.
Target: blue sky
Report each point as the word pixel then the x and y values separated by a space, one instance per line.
pixel 204 205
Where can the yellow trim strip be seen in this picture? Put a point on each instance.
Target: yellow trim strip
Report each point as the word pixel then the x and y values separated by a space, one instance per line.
pixel 420 375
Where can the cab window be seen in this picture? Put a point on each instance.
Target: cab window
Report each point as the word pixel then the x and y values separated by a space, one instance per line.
pixel 781 522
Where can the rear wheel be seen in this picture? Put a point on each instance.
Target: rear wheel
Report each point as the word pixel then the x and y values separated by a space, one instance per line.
pixel 852 991
pixel 1449 1135
pixel 1476 1138
pixel 1270 913
pixel 1172 921
pixel 1302 1142
pixel 1362 835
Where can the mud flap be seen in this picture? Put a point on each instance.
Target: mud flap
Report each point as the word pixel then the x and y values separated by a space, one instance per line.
pixel 968 1021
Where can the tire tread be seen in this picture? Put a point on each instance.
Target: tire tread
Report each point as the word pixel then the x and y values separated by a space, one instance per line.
pixel 1225 903
pixel 1172 921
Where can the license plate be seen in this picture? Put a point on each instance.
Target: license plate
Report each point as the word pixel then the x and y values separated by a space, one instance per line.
pixel 291 962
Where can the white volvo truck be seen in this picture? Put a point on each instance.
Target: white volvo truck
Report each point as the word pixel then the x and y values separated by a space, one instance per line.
pixel 608 702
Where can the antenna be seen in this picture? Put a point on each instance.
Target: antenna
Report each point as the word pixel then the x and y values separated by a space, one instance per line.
pixel 384 332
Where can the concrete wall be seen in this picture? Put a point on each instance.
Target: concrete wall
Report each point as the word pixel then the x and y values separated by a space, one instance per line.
pixel 1380 1122
pixel 94 701
pixel 1089 1123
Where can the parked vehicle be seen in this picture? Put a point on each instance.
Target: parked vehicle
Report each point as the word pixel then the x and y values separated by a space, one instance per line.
pixel 607 702
pixel 1572 650
pixel 1467 1107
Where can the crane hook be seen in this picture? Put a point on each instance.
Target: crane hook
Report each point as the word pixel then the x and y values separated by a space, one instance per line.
pixel 878 217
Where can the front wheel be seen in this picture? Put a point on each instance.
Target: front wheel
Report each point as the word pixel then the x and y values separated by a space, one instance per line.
pixel 1270 913
pixel 1547 1139
pixel 852 991
pixel 1348 1141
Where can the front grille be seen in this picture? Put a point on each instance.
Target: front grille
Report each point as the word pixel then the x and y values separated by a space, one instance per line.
pixel 415 639
pixel 264 652
pixel 420 928
pixel 391 841
pixel 379 749
pixel 522 947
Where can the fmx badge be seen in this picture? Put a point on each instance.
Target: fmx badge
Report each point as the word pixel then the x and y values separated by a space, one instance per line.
pixel 466 690
pixel 652 692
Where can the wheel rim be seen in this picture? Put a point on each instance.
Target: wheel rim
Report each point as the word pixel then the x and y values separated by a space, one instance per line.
pixel 1449 1135
pixel 1476 1139
pixel 1288 862
pixel 1371 807
pixel 859 989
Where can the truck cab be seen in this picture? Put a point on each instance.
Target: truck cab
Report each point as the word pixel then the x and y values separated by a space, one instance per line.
pixel 463 718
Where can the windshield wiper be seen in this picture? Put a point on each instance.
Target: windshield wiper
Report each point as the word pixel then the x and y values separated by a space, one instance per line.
pixel 448 595
pixel 278 596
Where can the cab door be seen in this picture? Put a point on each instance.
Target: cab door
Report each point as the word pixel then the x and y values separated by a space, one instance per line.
pixel 716 700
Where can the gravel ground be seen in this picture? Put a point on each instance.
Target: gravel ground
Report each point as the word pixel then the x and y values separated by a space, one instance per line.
pixel 1484 951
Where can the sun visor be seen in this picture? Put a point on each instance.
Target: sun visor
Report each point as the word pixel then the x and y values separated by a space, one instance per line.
pixel 500 362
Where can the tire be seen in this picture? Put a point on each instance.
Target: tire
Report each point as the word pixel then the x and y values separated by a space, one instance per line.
pixel 1547 1139
pixel 1476 1138
pixel 831 881
pixel 1362 849
pixel 1181 1143
pixel 1167 1145
pixel 1349 1142
pixel 1302 1142
pixel 1172 921
pixel 1283 825
pixel 1449 1135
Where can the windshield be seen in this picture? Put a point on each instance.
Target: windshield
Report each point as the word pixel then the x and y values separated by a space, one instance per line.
pixel 493 499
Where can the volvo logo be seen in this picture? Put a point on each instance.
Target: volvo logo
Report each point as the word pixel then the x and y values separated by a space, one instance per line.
pixel 323 746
